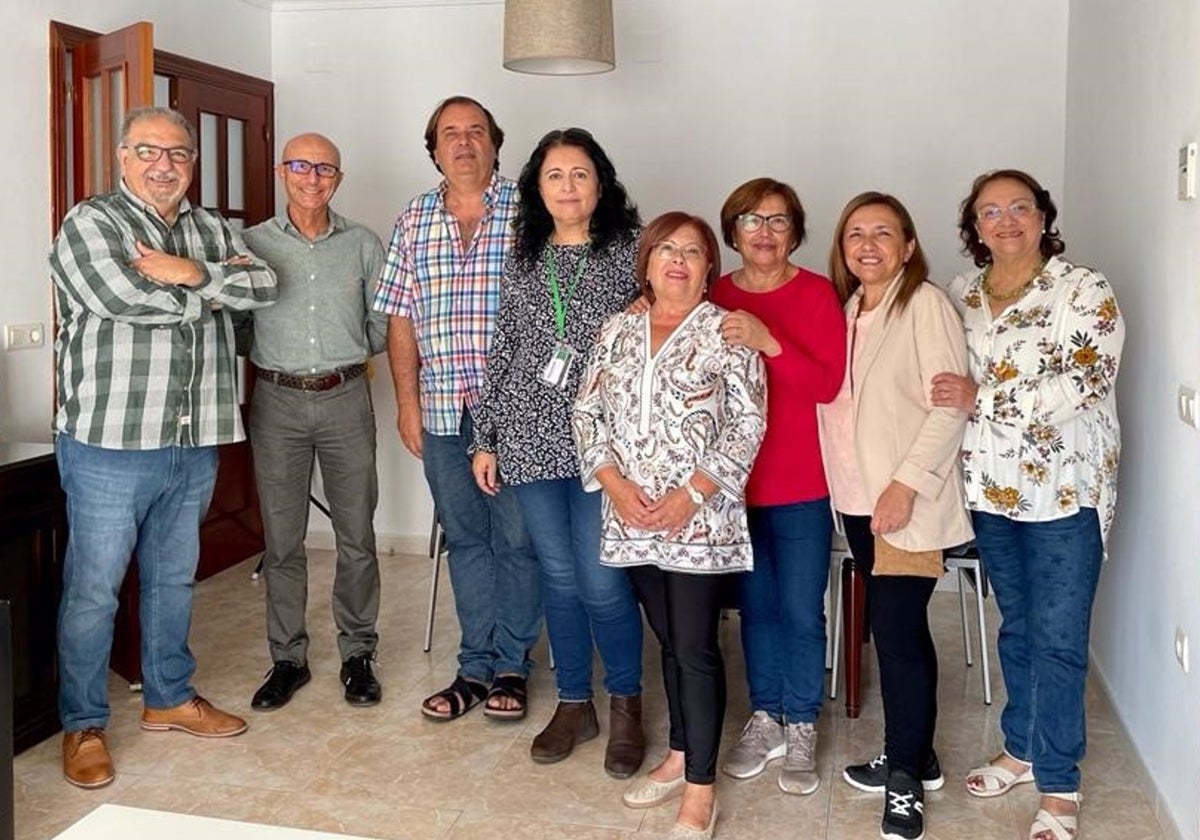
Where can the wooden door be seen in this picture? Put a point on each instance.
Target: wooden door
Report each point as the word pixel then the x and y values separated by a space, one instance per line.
pixel 111 75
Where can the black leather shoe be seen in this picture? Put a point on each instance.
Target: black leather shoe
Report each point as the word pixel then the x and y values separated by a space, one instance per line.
pixel 362 689
pixel 284 680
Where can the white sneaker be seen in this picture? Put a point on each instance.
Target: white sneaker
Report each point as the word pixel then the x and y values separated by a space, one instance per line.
pixel 761 741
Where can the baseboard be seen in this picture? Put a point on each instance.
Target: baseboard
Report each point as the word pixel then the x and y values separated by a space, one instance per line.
pixel 1170 831
pixel 387 545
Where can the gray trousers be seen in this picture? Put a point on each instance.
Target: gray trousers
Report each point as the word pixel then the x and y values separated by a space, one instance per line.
pixel 287 428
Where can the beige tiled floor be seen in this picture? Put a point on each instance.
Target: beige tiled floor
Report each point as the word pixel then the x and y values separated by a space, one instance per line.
pixel 387 772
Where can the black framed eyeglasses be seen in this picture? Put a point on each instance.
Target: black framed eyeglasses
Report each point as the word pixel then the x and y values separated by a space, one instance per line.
pixel 303 167
pixel 149 153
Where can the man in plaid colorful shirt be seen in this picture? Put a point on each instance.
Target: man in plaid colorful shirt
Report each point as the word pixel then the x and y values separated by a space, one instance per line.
pixel 441 287
pixel 147 388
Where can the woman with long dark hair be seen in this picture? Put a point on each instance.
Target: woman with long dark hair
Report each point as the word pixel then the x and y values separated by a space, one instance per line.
pixel 571 267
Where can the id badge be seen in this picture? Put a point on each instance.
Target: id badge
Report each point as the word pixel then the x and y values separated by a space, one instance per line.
pixel 557 370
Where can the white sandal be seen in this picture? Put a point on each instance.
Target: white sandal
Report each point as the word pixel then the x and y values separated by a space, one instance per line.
pixel 1058 826
pixel 997 780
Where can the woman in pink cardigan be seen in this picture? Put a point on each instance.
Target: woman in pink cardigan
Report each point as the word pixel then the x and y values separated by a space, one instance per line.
pixel 892 461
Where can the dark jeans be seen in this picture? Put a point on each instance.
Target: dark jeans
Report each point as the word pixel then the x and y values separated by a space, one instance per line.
pixel 684 611
pixel 782 605
pixel 1044 575
pixel 493 570
pixel 288 428
pixel 898 606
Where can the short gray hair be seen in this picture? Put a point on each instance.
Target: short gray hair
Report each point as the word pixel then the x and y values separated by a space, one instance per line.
pixel 158 112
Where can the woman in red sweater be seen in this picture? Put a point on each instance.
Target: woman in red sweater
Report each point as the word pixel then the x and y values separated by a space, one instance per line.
pixel 794 319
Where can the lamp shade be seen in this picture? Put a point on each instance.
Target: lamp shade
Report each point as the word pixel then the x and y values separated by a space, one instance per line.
pixel 559 37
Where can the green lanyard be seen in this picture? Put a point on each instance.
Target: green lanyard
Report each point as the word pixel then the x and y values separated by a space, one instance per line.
pixel 560 306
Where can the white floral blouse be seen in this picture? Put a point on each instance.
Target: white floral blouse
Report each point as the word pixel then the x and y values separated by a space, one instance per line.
pixel 698 403
pixel 1043 440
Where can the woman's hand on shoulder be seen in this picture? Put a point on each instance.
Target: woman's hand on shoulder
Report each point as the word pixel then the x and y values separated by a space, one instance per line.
pixel 953 391
pixel 741 328
pixel 639 307
pixel 483 465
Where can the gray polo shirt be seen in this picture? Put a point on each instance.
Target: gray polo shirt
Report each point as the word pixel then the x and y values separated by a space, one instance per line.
pixel 323 319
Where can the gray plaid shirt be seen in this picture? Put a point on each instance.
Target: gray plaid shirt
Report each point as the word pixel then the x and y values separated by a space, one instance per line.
pixel 143 365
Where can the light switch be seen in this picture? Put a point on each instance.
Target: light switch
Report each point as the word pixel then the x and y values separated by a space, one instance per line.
pixel 24 336
pixel 1187 406
pixel 1187 171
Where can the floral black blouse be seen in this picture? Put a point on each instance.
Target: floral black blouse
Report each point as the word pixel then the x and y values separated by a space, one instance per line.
pixel 521 418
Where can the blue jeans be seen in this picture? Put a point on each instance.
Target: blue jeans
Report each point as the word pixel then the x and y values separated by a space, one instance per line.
pixel 1044 575
pixel 783 608
pixel 120 502
pixel 492 567
pixel 583 600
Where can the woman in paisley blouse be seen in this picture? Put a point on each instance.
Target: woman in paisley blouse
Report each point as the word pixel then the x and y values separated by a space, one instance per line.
pixel 668 422
pixel 570 268
pixel 1039 456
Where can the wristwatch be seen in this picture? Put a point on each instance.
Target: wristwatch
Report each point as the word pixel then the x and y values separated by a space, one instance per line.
pixel 695 495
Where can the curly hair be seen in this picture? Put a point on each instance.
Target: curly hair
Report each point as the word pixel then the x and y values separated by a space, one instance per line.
pixel 1051 244
pixel 615 217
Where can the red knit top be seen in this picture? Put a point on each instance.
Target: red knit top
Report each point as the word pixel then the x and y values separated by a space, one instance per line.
pixel 805 317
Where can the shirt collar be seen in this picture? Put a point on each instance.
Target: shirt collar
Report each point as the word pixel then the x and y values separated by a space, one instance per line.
pixel 337 223
pixel 185 206
pixel 490 193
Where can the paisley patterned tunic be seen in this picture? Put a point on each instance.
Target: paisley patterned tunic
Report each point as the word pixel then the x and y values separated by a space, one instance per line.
pixel 698 403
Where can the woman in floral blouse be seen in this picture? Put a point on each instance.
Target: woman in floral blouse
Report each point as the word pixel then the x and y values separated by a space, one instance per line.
pixel 1040 460
pixel 668 421
pixel 570 268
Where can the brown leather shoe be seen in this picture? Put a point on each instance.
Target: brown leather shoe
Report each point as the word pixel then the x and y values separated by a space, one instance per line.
pixel 626 741
pixel 86 762
pixel 573 723
pixel 196 717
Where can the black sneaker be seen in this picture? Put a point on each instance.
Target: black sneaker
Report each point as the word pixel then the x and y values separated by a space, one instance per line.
pixel 284 680
pixel 872 776
pixel 362 689
pixel 903 808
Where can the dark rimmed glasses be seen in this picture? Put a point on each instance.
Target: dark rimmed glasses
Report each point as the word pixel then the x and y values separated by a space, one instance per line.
pixel 149 153
pixel 303 167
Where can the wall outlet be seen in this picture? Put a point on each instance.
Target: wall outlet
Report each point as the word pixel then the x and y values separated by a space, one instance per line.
pixel 22 336
pixel 1181 650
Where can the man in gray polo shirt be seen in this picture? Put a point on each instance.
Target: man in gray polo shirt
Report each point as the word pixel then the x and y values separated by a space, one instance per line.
pixel 312 398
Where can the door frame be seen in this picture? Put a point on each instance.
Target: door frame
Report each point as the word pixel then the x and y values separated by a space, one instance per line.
pixel 65 37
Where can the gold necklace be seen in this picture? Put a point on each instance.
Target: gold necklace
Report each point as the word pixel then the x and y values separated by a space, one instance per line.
pixel 1012 294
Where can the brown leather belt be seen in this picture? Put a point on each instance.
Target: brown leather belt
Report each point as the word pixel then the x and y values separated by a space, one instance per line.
pixel 313 382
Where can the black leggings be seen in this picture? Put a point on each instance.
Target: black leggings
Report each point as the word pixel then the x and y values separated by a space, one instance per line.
pixel 898 606
pixel 684 611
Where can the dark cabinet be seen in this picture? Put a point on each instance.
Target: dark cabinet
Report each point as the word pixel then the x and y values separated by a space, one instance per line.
pixel 33 540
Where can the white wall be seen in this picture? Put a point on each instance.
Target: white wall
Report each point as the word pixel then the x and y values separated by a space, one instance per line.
pixel 226 32
pixel 914 98
pixel 1133 100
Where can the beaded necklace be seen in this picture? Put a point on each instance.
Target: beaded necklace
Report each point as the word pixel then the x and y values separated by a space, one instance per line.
pixel 1012 294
